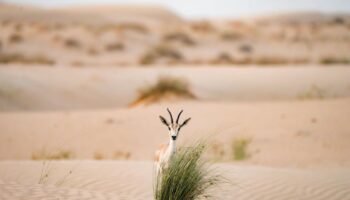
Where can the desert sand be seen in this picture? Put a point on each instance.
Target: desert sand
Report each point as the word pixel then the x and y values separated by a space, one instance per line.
pixel 298 147
pixel 280 85
pixel 280 133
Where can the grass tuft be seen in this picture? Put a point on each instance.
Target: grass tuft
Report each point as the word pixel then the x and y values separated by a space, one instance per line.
pixel 166 87
pixel 239 149
pixel 187 176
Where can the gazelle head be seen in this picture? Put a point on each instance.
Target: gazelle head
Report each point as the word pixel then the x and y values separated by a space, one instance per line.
pixel 174 127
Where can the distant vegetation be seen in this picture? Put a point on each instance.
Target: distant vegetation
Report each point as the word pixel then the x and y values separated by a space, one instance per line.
pixel 230 36
pixel 314 92
pixel 181 37
pixel 205 42
pixel 271 60
pixel 117 155
pixel 246 48
pixel 165 52
pixel 227 58
pixel 93 51
pixel 140 28
pixel 58 155
pixel 223 58
pixel 217 151
pixel 331 61
pixel 98 156
pixel 121 155
pixel 240 149
pixel 166 88
pixel 203 26
pixel 8 58
pixel 237 150
pixel 15 38
pixel 116 46
pixel 72 43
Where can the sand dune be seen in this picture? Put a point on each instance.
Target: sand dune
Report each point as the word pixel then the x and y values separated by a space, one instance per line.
pixel 126 35
pixel 133 180
pixel 37 88
pixel 141 13
pixel 134 11
pixel 304 17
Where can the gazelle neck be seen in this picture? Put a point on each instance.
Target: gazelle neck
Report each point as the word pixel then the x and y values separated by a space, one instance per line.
pixel 172 146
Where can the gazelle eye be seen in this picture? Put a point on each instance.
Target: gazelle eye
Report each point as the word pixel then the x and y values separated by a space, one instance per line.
pixel 169 128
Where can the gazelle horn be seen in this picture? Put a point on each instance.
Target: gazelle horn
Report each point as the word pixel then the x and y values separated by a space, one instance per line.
pixel 171 116
pixel 178 116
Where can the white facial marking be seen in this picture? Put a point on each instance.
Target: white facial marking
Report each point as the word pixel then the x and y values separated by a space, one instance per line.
pixel 173 130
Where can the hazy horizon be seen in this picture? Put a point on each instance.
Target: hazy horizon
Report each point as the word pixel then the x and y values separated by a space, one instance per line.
pixel 206 8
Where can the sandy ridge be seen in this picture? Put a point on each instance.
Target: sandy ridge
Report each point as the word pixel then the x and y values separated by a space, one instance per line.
pixel 133 180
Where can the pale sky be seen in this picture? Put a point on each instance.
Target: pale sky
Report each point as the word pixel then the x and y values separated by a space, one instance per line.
pixel 215 8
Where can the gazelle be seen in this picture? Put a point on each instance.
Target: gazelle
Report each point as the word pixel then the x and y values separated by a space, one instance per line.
pixel 166 151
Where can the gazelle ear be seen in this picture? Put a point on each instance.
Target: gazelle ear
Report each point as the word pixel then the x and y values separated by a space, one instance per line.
pixel 185 122
pixel 163 120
